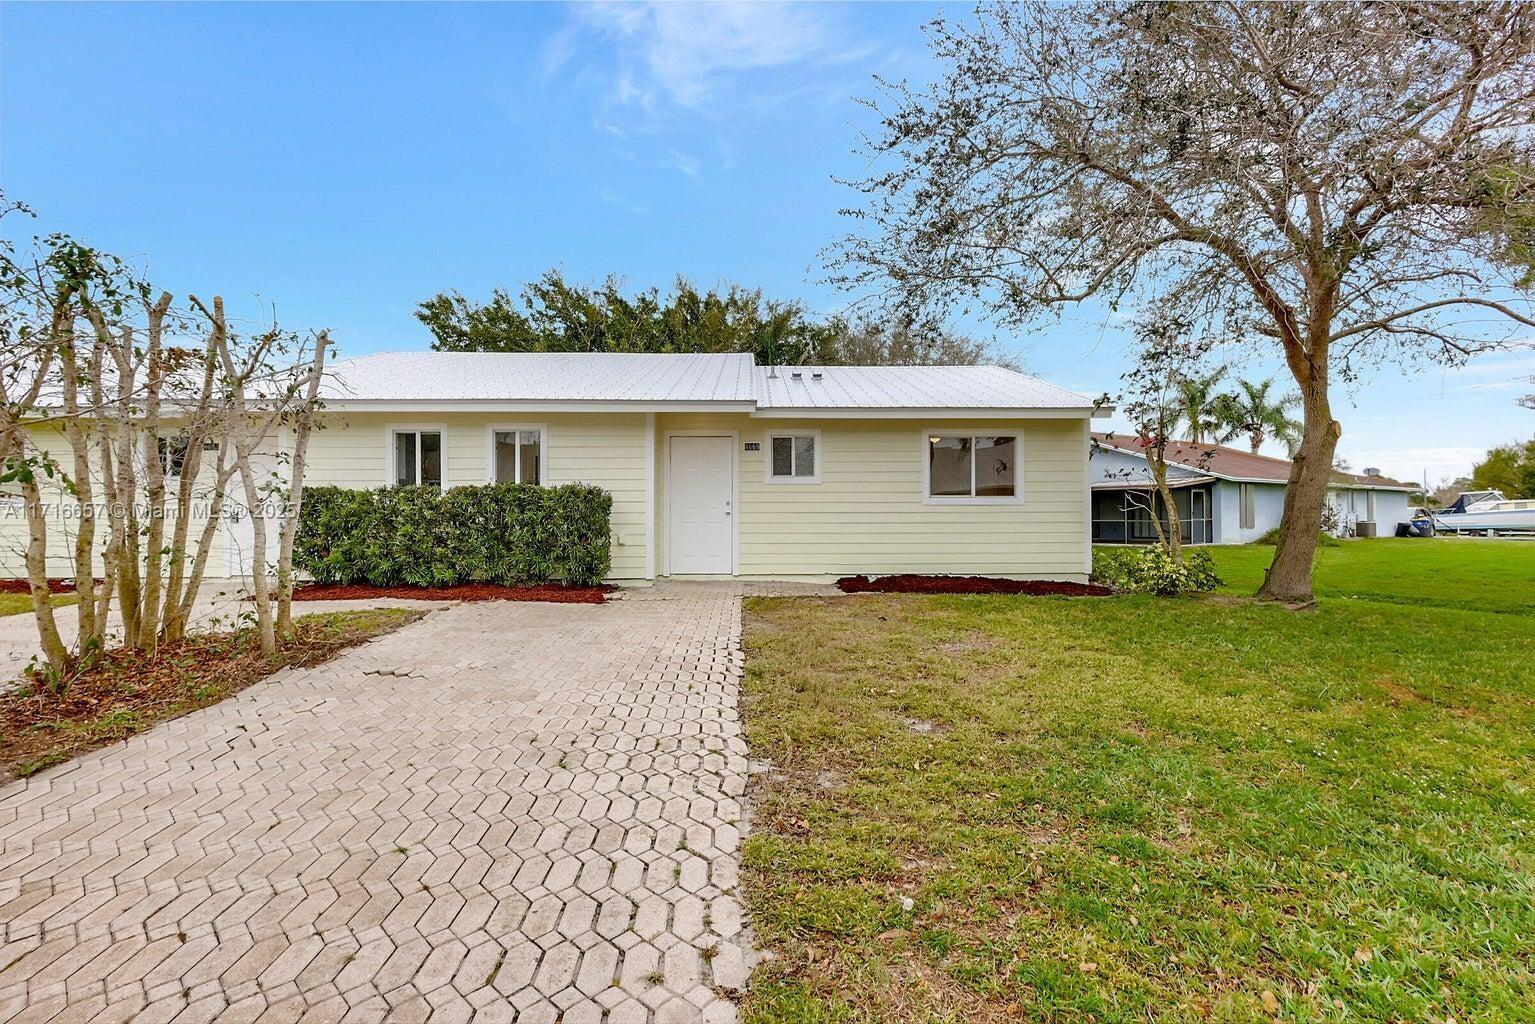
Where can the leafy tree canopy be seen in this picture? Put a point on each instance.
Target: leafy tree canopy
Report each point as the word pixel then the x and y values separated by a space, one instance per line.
pixel 555 315
pixel 1509 468
pixel 1333 184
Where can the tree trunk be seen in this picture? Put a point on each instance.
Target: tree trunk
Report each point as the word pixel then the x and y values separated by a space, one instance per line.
pixel 177 619
pixel 124 512
pixel 179 583
pixel 303 427
pixel 37 579
pixel 1289 576
pixel 88 639
pixel 1256 437
pixel 154 359
pixel 1172 540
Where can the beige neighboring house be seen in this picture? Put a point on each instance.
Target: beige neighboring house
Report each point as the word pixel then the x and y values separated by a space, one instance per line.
pixel 722 468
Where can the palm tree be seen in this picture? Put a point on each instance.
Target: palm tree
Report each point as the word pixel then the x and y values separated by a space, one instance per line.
pixel 1253 412
pixel 1199 406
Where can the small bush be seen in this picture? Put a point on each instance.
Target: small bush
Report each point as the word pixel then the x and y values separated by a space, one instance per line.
pixel 515 534
pixel 1323 539
pixel 1151 570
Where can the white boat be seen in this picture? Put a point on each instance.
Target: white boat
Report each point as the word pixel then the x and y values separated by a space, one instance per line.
pixel 1486 510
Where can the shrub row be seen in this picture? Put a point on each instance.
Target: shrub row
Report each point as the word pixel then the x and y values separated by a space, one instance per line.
pixel 1151 570
pixel 514 534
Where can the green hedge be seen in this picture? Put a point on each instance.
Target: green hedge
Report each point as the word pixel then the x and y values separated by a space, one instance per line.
pixel 425 537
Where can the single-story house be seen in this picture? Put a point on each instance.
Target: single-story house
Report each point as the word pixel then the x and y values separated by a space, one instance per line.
pixel 720 467
pixel 1223 495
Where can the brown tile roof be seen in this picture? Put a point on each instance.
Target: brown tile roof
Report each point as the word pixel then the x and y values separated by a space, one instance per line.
pixel 1236 463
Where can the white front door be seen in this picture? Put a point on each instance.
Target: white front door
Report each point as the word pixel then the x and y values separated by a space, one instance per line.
pixel 239 532
pixel 700 489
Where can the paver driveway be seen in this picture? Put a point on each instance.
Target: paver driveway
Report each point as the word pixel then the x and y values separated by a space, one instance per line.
pixel 502 812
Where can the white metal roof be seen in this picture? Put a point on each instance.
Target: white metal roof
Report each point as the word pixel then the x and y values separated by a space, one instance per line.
pixel 639 379
pixel 908 387
pixel 542 377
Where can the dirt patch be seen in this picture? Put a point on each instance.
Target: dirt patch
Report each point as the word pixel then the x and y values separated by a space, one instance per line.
pixel 974 643
pixel 554 593
pixel 129 692
pixel 1398 693
pixel 910 583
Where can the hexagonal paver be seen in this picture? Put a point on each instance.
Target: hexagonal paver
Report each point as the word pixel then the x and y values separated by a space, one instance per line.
pixel 501 812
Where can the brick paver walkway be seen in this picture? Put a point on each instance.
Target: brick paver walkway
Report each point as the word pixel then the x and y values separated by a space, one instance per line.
pixel 505 812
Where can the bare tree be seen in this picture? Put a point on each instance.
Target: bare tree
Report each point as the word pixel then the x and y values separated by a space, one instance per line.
pixel 263 390
pixel 31 321
pixel 89 355
pixel 1333 183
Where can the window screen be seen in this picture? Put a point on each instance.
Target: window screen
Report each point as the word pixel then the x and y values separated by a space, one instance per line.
pixel 519 457
pixel 405 458
pixel 418 457
pixel 949 466
pixel 792 457
pixel 994 467
pixel 972 466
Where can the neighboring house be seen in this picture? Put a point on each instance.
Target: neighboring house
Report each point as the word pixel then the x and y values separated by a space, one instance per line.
pixel 1224 495
pixel 719 467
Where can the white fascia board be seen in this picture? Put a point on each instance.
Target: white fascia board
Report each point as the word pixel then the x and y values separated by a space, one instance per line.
pixel 1140 485
pixel 500 405
pixel 920 412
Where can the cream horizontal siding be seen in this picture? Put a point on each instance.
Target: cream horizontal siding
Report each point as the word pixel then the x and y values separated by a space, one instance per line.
pixel 63 519
pixel 869 514
pixel 608 450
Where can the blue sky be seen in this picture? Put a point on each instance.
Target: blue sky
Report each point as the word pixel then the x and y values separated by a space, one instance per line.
pixel 341 163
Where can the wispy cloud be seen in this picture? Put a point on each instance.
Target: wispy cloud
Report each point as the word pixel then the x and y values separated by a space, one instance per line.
pixel 701 68
pixel 683 53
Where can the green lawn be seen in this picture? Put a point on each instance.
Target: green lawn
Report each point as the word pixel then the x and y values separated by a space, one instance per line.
pixel 17 604
pixel 1487 575
pixel 1134 809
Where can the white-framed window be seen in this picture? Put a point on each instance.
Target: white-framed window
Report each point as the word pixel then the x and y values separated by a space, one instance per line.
pixel 972 469
pixel 517 454
pixel 173 456
pixel 793 457
pixel 1369 504
pixel 1247 494
pixel 415 456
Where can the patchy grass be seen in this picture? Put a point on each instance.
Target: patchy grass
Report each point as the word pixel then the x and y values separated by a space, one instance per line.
pixel 19 604
pixel 1134 809
pixel 128 693
pixel 1444 572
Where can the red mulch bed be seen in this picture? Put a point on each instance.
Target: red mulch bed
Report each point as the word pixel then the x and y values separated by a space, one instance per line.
pixel 911 583
pixel 553 592
pixel 13 586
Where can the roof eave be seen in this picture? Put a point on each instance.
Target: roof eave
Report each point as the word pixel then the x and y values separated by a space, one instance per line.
pixel 920 412
pixel 539 405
